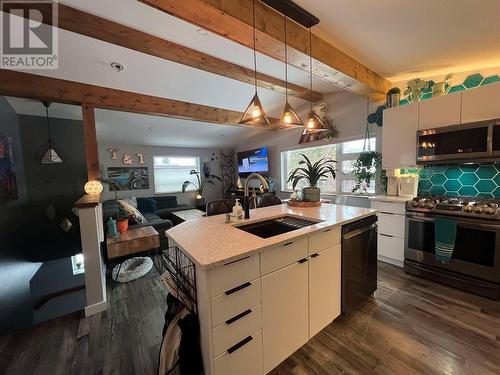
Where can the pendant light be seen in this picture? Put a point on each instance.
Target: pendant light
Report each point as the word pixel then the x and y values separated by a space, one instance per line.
pixel 313 123
pixel 48 153
pixel 289 117
pixel 254 114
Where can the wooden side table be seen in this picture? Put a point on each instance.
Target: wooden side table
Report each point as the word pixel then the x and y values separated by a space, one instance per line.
pixel 132 242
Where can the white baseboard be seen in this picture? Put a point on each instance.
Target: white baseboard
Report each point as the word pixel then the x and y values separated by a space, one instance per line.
pixel 395 262
pixel 96 308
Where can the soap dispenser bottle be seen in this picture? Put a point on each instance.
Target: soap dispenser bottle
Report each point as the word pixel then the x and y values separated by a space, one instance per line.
pixel 237 210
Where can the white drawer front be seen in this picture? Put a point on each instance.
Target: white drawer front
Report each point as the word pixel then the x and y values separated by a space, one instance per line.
pixel 283 255
pixel 225 306
pixel 246 360
pixel 236 329
pixel 391 247
pixel 233 274
pixel 324 239
pixel 393 208
pixel 391 224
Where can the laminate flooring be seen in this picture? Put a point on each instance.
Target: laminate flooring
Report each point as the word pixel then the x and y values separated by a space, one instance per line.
pixel 413 326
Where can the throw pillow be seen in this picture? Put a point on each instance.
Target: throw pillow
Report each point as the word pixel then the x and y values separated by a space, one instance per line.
pixel 146 205
pixel 132 211
pixel 130 200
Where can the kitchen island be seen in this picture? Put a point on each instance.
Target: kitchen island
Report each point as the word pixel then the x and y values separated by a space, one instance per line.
pixel 260 299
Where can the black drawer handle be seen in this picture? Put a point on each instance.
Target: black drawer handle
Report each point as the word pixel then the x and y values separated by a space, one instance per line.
pixel 243 342
pixel 315 255
pixel 238 317
pixel 387 213
pixel 288 243
pixel 328 230
pixel 386 235
pixel 303 260
pixel 242 286
pixel 235 261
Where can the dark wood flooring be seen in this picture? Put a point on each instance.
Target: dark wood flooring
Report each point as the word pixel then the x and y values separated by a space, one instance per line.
pixel 413 326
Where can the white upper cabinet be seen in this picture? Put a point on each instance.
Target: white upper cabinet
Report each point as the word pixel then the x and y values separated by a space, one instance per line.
pixel 440 111
pixel 482 103
pixel 399 136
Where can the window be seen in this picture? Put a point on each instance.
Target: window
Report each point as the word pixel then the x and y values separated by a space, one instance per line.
pixel 345 153
pixel 171 171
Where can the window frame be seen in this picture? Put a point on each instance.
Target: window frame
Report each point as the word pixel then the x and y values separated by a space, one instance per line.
pixel 155 168
pixel 339 157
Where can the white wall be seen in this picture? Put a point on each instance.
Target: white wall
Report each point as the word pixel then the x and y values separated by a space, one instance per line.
pixel 210 192
pixel 348 112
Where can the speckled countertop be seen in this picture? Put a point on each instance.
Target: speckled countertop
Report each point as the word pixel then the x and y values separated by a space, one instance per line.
pixel 209 242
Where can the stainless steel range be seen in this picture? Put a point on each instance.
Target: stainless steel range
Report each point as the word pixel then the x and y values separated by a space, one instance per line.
pixel 475 265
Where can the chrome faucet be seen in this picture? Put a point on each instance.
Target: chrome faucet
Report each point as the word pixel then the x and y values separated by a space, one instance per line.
pixel 246 198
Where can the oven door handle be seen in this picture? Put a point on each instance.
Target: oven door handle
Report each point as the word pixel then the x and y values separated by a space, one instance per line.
pixel 462 224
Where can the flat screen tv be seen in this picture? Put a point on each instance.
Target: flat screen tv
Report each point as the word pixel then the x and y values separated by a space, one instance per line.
pixel 253 161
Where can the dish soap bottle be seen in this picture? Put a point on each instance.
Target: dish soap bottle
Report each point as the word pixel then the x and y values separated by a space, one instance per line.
pixel 237 210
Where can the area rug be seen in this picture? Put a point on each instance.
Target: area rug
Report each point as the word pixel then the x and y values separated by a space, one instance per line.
pixel 132 269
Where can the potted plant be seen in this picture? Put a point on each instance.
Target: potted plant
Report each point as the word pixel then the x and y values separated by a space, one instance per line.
pixel 442 88
pixel 414 89
pixel 122 220
pixel 200 186
pixel 312 174
pixel 365 169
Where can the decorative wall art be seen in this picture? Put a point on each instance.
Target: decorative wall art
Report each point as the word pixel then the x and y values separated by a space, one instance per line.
pixel 113 153
pixel 129 178
pixel 127 159
pixel 141 158
pixel 8 182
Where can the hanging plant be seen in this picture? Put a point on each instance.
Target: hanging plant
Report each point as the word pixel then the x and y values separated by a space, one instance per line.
pixel 365 170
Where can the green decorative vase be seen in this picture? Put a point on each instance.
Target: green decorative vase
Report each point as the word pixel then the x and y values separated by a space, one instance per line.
pixel 311 194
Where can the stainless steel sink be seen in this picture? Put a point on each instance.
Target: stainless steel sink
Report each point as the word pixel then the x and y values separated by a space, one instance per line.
pixel 273 227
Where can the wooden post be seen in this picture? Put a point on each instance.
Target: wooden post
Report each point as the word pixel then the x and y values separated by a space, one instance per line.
pixel 89 132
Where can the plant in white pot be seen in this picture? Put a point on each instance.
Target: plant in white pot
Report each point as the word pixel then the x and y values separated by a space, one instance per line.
pixel 313 174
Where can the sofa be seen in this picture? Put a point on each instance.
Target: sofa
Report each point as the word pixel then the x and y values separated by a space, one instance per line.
pixel 156 210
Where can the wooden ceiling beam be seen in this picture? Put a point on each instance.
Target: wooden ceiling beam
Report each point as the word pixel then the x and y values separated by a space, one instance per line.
pixel 92 26
pixel 31 86
pixel 232 19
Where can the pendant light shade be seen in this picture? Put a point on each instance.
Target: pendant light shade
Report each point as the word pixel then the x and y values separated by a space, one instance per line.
pixel 313 123
pixel 48 154
pixel 289 117
pixel 255 114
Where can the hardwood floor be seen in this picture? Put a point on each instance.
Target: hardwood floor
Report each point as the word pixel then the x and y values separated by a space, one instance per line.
pixel 413 326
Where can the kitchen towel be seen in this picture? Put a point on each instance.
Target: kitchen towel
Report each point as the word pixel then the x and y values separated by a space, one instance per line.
pixel 445 233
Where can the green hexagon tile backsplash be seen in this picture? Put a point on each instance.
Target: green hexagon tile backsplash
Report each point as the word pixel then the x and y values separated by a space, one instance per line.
pixel 453 180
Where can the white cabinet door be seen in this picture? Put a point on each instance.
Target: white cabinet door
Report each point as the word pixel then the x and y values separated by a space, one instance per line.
pixel 440 111
pixel 482 103
pixel 391 248
pixel 324 288
pixel 285 310
pixel 399 136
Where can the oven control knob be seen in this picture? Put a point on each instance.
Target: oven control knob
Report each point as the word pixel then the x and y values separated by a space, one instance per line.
pixel 478 210
pixel 431 205
pixel 489 210
pixel 468 209
pixel 414 204
pixel 422 204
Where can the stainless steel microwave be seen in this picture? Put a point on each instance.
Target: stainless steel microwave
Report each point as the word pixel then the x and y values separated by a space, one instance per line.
pixel 479 141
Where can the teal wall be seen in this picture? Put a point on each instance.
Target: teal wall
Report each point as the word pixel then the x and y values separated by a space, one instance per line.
pixel 452 180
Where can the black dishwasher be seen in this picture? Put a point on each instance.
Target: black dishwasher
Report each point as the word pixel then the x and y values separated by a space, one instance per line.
pixel 359 262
